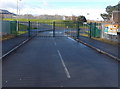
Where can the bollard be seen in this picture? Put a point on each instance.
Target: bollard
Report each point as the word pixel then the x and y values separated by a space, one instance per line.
pixel 94 29
pixel 90 29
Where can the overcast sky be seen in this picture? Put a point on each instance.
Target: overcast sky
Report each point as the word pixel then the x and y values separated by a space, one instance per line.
pixel 61 7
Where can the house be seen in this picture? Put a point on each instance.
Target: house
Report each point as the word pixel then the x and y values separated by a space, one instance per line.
pixel 116 17
pixel 73 18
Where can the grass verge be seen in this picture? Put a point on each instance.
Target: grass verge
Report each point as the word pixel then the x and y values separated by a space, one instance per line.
pixel 6 37
pixel 103 40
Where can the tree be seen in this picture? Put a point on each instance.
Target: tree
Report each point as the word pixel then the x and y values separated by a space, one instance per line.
pixel 109 10
pixel 81 19
pixel 106 16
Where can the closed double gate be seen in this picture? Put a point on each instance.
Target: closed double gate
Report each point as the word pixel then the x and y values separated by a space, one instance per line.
pixel 56 29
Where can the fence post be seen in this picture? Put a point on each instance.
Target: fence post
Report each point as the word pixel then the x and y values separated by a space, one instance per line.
pixel 94 29
pixel 29 29
pixel 78 29
pixel 13 27
pixel 54 29
pixel 18 25
pixel 118 34
pixel 90 29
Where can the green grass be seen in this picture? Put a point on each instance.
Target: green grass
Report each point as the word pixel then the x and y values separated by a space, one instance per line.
pixel 46 21
pixel 21 32
pixel 6 37
pixel 106 41
pixel 22 27
pixel 33 20
pixel 59 23
pixel 102 39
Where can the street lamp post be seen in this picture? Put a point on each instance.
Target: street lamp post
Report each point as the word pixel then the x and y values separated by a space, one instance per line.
pixel 17 15
pixel 88 14
pixel 2 16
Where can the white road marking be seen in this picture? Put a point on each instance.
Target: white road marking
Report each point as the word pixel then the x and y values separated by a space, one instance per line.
pixel 14 49
pixel 71 39
pixel 55 32
pixel 82 45
pixel 20 79
pixel 55 43
pixel 63 63
pixel 51 32
pixel 76 41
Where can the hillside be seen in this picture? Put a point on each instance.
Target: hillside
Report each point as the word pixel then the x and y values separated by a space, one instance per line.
pixel 6 12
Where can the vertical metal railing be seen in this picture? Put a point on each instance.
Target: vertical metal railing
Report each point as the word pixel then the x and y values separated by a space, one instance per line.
pixel 54 29
pixel 29 24
pixel 78 29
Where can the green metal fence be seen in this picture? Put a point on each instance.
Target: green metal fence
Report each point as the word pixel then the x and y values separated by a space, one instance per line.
pixel 95 31
pixel 13 26
pixel 8 27
pixel 65 28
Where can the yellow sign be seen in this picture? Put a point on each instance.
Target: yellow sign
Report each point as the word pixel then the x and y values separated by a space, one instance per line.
pixel 111 29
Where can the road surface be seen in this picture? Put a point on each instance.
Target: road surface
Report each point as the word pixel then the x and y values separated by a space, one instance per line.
pixel 58 62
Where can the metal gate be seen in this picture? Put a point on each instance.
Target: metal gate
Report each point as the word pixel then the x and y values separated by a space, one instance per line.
pixel 53 29
pixel 56 29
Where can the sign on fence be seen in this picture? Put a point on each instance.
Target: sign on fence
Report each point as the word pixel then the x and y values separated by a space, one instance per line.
pixel 111 29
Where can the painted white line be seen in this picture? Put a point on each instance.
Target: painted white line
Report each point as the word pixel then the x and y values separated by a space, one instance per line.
pixel 55 43
pixel 20 78
pixel 63 63
pixel 14 49
pixel 6 81
pixel 65 35
pixel 71 39
pixel 77 42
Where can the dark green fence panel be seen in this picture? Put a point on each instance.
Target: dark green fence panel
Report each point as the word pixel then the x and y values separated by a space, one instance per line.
pixel 98 32
pixel 5 27
pixel 13 27
pixel 95 32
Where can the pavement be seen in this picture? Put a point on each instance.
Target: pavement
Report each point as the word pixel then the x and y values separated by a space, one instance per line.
pixel 106 47
pixel 58 62
pixel 9 44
